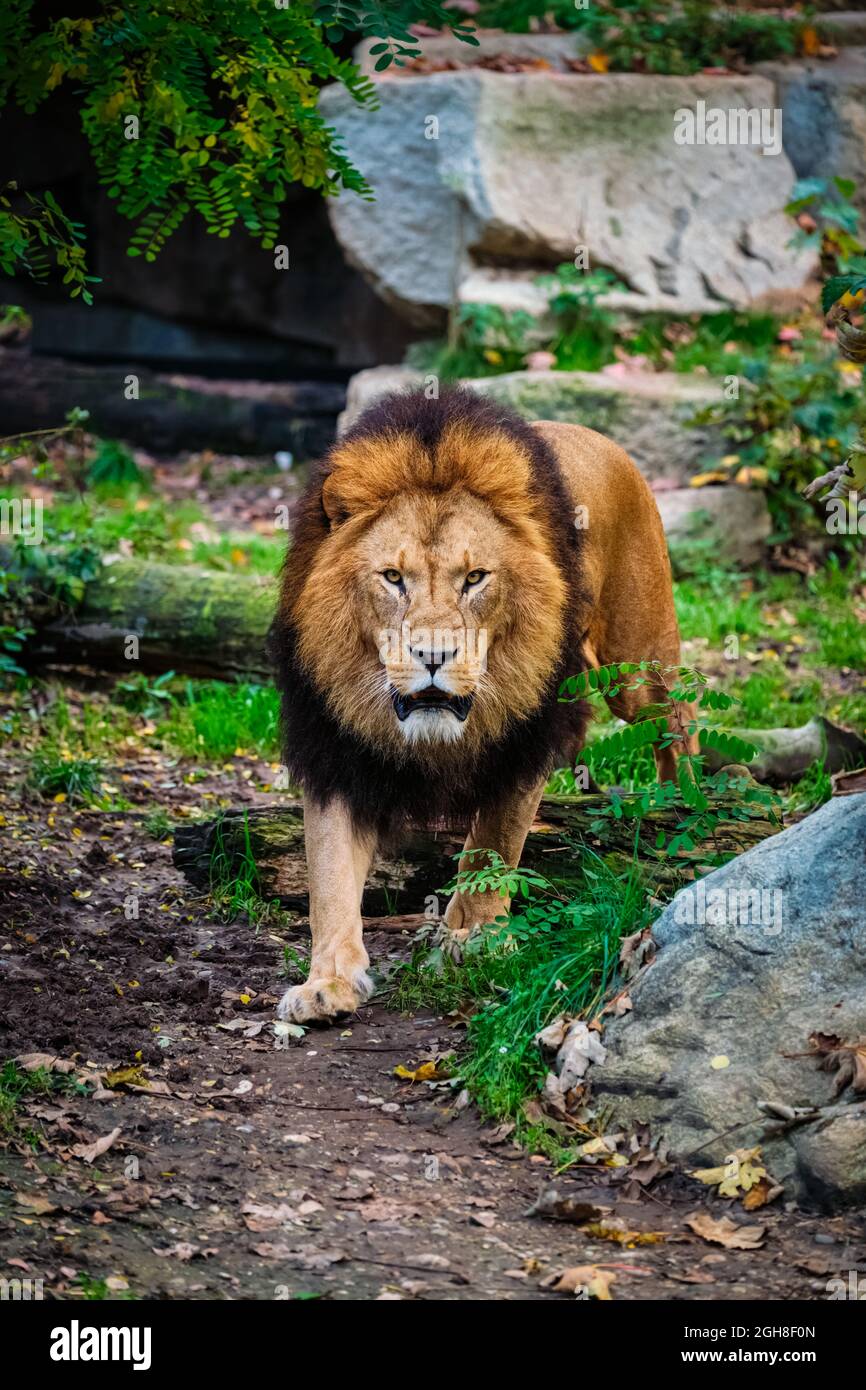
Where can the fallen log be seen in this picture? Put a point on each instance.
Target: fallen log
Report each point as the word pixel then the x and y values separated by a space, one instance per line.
pixel 195 621
pixel 169 412
pixel 202 622
pixel 267 843
pixel 786 754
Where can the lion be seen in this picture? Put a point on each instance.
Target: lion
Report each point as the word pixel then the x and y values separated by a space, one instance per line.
pixel 450 565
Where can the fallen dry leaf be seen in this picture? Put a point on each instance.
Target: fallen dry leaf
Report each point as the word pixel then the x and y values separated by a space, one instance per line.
pixel 764 1192
pixel 726 1232
pixel 427 1071
pixel 742 1171
pixel 617 1231
pixel 263 1218
pixel 90 1152
pixel 586 1281
pixel 556 1205
pixel 35 1061
pixel 636 951
pixel 34 1202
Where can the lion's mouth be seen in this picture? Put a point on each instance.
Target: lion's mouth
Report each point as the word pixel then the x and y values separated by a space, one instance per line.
pixel 431 699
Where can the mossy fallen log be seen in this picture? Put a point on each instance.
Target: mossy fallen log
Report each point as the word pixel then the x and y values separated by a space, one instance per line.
pixel 784 755
pixel 265 845
pixel 203 622
pixel 184 618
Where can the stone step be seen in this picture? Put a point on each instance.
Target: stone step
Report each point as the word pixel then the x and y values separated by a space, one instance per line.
pixel 646 412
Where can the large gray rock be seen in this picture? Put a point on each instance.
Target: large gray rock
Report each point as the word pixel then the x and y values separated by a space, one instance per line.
pixel 766 951
pixel 477 168
pixel 824 116
pixel 648 413
pixel 735 521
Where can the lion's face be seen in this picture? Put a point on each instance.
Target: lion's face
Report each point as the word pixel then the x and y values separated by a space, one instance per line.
pixel 437 581
pixel 431 617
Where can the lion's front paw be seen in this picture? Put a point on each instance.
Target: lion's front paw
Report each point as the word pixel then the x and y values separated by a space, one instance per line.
pixel 325 999
pixel 452 943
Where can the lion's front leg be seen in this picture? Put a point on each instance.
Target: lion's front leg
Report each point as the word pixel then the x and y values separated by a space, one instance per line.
pixel 338 859
pixel 504 831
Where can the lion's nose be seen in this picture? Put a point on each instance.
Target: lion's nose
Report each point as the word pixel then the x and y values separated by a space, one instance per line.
pixel 434 657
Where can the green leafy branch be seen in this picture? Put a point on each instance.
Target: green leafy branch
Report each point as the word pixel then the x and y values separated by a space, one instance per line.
pixel 31 240
pixel 702 803
pixel 201 106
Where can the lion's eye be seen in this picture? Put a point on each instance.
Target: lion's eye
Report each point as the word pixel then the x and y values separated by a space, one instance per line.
pixel 392 576
pixel 474 577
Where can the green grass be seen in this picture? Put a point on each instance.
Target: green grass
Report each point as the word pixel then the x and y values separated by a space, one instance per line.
pixel 97 1290
pixel 556 956
pixel 79 779
pixel 718 344
pixel 155 528
pixel 211 719
pixel 17 1086
pixel 814 617
pixel 158 823
pixel 235 884
pixel 812 790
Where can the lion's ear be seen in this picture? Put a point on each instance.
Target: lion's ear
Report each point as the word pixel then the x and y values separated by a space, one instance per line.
pixel 333 502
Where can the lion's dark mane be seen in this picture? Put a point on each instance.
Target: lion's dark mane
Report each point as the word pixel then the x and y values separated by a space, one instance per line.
pixel 330 761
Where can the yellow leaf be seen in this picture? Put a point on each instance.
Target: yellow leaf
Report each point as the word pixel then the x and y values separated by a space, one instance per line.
pixel 239 557
pixel 428 1071
pixel 742 1172
pixel 586 1280
pixel 702 479
pixel 620 1235
pixel 114 105
pixel 747 476
pixel 126 1076
pixel 599 62
pixel 60 798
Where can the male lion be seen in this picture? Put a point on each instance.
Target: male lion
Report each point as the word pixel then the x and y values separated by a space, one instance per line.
pixel 440 585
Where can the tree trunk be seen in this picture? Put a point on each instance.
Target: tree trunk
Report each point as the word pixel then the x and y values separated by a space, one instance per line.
pixel 266 845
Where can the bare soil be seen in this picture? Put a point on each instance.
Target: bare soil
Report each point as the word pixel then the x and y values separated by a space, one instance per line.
pixel 248 1170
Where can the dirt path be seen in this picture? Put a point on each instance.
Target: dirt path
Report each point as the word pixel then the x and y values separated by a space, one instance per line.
pixel 248 1169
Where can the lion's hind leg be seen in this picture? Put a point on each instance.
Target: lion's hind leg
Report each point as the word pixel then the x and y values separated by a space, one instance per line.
pixel 503 831
pixel 632 704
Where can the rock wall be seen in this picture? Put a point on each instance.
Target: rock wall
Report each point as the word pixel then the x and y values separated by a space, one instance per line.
pixel 481 174
pixel 645 413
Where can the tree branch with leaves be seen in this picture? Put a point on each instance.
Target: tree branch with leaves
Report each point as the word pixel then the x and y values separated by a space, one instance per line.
pixel 199 107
